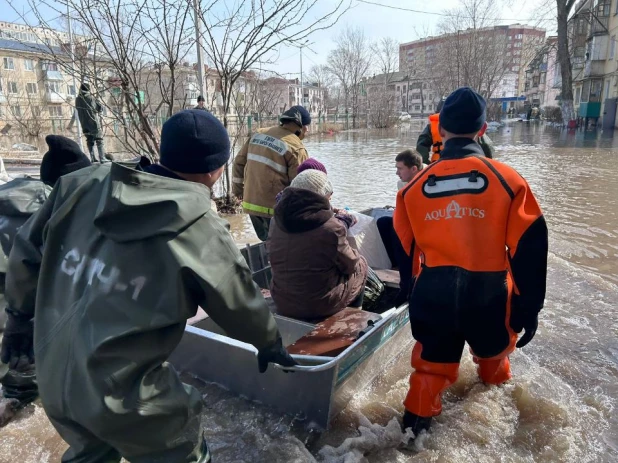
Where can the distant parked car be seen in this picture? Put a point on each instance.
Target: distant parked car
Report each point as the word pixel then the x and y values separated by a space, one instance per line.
pixel 404 117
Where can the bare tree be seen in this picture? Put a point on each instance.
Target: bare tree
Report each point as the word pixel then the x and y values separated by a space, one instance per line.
pixel 564 8
pixel 386 56
pixel 382 96
pixel 475 51
pixel 130 52
pixel 349 62
pixel 239 35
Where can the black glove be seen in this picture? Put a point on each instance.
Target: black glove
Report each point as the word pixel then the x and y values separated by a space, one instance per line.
pixel 17 344
pixel 522 319
pixel 274 353
pixel 530 325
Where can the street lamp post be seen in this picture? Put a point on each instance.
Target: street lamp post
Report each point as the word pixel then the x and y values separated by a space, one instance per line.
pixel 75 114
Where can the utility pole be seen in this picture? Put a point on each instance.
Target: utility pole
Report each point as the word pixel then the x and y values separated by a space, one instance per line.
pixel 75 114
pixel 302 93
pixel 198 41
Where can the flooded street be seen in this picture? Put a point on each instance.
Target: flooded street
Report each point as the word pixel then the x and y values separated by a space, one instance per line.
pixel 560 405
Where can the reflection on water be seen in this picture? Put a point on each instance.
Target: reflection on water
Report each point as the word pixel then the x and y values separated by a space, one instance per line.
pixel 559 405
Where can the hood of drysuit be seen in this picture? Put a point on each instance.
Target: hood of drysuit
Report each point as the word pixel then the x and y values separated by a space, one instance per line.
pixel 301 210
pixel 22 197
pixel 136 205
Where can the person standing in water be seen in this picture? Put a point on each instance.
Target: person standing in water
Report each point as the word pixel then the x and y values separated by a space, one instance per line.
pixel 268 163
pixel 110 269
pixel 479 245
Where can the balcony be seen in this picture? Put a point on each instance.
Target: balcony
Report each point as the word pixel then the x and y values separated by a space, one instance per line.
pixel 594 68
pixel 53 75
pixel 599 25
pixel 55 97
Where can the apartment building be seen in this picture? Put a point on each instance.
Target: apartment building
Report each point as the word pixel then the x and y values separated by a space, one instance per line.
pixel 35 95
pixel 517 42
pixel 593 28
pixel 543 78
pixel 402 92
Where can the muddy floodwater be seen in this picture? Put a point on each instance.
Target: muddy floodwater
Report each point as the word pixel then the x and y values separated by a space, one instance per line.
pixel 560 405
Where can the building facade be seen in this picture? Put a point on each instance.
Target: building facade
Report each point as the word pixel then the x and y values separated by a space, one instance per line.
pixel 515 42
pixel 543 80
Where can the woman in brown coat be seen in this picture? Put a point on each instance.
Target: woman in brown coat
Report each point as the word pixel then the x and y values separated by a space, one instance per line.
pixel 316 273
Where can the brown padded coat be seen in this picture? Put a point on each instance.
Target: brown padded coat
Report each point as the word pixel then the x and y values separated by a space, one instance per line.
pixel 316 273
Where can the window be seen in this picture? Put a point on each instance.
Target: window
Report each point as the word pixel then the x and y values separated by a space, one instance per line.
pixel 49 66
pixel 517 52
pixel 543 77
pixel 612 47
pixel 13 87
pixel 518 45
pixel 417 107
pixel 577 94
pixel 515 68
pixel 519 36
pixel 9 65
pixel 52 87
pixel 16 110
pixel 607 89
pixel 29 65
pixel 31 88
pixel 71 90
pixel 36 111
pixel 55 111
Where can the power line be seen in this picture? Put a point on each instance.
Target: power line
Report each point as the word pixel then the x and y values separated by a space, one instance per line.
pixel 434 13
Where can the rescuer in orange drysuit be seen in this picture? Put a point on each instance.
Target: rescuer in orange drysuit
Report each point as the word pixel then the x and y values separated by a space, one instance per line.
pixel 429 144
pixel 479 245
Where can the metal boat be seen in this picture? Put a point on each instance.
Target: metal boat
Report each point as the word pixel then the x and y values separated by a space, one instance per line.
pixel 320 386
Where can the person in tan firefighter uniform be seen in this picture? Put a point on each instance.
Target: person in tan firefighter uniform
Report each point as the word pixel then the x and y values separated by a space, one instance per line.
pixel 482 242
pixel 110 268
pixel 268 163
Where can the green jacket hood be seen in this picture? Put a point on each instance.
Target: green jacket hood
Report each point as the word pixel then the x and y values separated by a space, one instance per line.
pixel 137 205
pixel 22 197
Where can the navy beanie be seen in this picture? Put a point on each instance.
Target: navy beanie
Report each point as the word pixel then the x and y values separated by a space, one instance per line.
pixel 297 114
pixel 194 142
pixel 463 112
pixel 63 157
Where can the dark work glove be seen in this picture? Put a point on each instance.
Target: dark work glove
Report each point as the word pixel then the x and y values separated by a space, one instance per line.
pixel 530 326
pixel 17 343
pixel 274 353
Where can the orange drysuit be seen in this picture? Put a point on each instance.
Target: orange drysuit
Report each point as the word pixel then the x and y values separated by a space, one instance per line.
pixel 480 245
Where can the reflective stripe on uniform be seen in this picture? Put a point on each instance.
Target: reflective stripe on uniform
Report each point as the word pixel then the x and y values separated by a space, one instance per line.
pixel 256 208
pixel 238 180
pixel 269 162
pixel 272 143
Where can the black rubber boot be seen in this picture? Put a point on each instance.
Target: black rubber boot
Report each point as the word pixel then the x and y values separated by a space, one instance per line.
pixel 415 423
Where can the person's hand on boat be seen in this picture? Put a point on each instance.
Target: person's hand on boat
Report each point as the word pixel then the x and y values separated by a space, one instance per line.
pixel 275 353
pixel 17 343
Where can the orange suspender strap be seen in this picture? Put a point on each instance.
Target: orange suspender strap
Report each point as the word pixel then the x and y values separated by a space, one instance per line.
pixel 436 147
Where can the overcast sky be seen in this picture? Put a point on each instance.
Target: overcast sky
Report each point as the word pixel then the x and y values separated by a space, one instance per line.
pixel 377 21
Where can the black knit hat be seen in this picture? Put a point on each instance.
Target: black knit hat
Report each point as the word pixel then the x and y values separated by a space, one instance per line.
pixel 63 157
pixel 463 112
pixel 297 114
pixel 194 142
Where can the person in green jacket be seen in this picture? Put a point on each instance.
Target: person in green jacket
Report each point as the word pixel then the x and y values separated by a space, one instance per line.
pixel 88 110
pixel 19 200
pixel 425 141
pixel 111 268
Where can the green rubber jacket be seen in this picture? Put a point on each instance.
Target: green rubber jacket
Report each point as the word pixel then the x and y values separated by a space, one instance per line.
pixel 111 267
